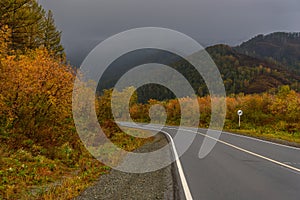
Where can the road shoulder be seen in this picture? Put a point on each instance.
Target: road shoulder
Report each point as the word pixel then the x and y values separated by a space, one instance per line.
pixel 160 184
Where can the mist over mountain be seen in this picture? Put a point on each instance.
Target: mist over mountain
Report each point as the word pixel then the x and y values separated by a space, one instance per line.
pixel 260 64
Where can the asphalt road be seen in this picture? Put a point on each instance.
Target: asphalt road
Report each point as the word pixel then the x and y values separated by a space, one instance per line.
pixel 240 168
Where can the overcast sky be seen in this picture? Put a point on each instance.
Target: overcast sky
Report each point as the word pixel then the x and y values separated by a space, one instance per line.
pixel 85 23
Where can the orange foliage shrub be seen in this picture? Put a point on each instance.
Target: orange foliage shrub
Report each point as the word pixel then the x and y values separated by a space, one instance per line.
pixel 279 111
pixel 36 98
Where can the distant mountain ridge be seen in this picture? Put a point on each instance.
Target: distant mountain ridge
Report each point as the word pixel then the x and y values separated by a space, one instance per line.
pixel 258 65
pixel 249 74
pixel 279 47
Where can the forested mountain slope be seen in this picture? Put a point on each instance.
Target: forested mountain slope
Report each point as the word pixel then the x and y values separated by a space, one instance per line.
pixel 258 65
pixel 279 47
pixel 243 73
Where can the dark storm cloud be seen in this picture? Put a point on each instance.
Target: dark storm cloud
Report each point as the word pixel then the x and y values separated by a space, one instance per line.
pixel 85 23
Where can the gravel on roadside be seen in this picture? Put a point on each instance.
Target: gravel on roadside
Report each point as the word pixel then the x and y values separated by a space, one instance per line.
pixel 160 184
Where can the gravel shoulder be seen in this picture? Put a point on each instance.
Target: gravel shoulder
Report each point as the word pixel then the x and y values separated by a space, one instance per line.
pixel 160 184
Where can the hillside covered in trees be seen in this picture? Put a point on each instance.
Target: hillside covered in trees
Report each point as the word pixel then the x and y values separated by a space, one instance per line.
pixel 247 74
pixel 279 48
pixel 258 65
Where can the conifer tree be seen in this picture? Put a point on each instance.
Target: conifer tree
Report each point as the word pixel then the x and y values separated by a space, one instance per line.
pixel 30 26
pixel 51 39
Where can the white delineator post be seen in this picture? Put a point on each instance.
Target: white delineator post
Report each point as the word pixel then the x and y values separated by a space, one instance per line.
pixel 240 113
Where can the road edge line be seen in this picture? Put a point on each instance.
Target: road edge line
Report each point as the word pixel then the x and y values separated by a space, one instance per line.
pixel 184 183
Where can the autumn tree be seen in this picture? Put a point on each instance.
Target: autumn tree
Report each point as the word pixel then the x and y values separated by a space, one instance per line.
pixel 286 105
pixel 4 40
pixel 36 98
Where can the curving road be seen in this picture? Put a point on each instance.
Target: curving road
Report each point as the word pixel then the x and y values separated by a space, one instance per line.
pixel 239 167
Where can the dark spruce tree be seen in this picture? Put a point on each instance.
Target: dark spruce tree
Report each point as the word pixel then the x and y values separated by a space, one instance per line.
pixel 30 26
pixel 51 39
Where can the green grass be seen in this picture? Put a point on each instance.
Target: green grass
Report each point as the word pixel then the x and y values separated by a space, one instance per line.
pixel 27 175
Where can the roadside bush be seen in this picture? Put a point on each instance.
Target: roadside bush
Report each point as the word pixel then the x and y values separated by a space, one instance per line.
pixel 35 99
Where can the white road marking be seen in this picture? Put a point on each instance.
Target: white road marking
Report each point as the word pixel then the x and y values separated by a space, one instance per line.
pixel 184 183
pixel 265 141
pixel 246 151
pixel 183 179
pixel 243 136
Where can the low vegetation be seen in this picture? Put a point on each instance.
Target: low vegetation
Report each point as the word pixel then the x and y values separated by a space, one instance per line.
pixel 41 154
pixel 272 115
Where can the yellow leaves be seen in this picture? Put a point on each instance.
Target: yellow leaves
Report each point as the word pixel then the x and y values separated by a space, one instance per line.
pixel 52 100
pixel 36 90
pixel 5 34
pixel 286 105
pixel 259 109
